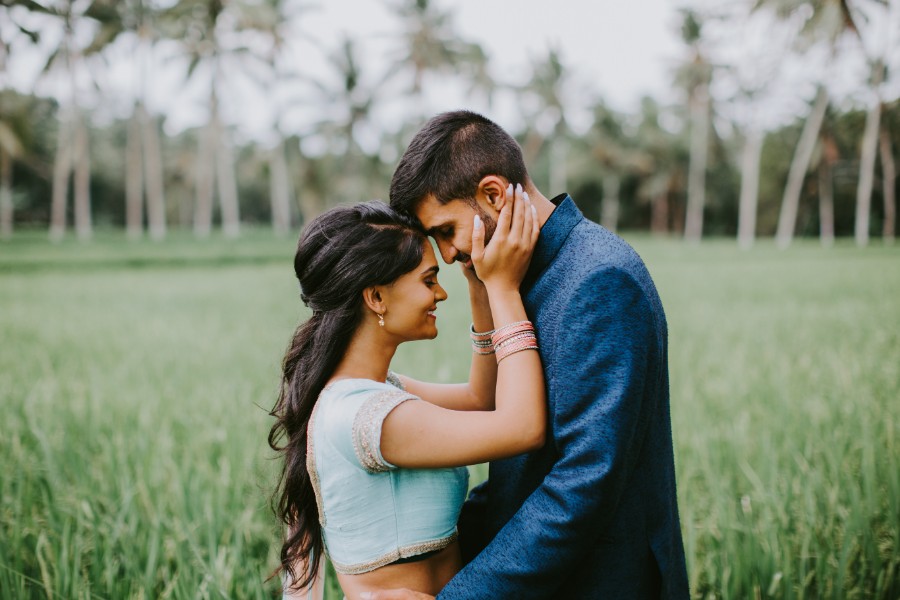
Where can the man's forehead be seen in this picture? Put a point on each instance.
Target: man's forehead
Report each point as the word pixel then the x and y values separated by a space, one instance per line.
pixel 432 213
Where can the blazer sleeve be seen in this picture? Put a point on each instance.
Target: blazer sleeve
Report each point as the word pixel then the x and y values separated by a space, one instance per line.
pixel 599 417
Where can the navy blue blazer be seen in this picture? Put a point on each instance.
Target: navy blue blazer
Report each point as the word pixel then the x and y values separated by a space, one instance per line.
pixel 593 514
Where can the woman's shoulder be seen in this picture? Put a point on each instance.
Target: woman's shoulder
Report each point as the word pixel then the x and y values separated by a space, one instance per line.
pixel 348 402
pixel 349 416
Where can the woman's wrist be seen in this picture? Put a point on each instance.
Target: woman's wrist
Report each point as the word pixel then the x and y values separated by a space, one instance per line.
pixel 501 289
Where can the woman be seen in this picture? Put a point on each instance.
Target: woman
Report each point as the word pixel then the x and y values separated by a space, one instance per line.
pixel 374 465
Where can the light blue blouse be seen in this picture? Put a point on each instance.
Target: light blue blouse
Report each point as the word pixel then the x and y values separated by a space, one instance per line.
pixel 372 512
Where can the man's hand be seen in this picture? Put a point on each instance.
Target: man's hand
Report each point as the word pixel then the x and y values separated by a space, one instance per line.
pixel 400 594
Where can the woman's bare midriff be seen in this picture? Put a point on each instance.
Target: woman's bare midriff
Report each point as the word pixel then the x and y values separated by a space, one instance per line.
pixel 428 576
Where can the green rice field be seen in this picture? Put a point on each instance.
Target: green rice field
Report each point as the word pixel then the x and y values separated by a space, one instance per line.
pixel 135 380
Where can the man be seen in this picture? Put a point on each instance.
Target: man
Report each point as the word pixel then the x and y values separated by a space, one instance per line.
pixel 593 514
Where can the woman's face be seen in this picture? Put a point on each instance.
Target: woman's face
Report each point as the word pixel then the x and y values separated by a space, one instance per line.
pixel 411 301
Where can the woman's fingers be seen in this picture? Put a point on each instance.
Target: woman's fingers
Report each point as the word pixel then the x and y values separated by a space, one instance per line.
pixel 527 221
pixel 532 228
pixel 477 240
pixel 505 218
pixel 518 219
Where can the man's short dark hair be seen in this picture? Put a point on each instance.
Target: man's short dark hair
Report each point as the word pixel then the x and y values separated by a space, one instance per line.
pixel 449 156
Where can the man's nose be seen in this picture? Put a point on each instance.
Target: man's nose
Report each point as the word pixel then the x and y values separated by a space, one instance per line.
pixel 448 252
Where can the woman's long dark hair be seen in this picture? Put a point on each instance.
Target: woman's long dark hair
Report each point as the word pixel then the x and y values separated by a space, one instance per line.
pixel 340 254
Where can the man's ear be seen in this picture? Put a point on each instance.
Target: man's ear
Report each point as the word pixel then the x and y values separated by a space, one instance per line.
pixel 372 298
pixel 492 191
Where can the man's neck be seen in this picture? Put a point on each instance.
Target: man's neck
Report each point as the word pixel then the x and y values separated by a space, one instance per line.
pixel 544 207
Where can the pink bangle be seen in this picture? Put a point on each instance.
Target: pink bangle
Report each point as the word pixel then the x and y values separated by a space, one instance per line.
pixel 513 350
pixel 510 330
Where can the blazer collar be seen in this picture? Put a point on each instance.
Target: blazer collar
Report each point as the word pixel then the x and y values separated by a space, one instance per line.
pixel 554 232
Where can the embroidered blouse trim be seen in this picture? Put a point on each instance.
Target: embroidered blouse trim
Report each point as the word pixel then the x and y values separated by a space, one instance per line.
pixel 394 555
pixel 367 429
pixel 311 464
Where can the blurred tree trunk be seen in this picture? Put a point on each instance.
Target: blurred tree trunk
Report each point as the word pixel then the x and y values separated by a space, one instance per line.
pixel 62 167
pixel 609 210
pixel 82 180
pixel 134 184
pixel 749 188
pixel 203 205
pixel 6 202
pixel 826 204
pixel 659 214
pixel 787 217
pixel 311 203
pixel 558 156
pixel 889 176
pixel 280 190
pixel 693 227
pixel 153 176
pixel 226 183
pixel 867 162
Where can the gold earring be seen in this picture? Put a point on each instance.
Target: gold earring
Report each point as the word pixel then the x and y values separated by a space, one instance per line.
pixel 380 319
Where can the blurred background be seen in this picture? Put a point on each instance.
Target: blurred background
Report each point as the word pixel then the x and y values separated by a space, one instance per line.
pixel 158 160
pixel 738 118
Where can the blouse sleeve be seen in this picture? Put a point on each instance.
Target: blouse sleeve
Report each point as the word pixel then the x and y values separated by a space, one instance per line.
pixel 367 428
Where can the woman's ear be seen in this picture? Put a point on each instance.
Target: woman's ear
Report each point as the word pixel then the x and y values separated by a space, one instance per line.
pixel 492 191
pixel 372 297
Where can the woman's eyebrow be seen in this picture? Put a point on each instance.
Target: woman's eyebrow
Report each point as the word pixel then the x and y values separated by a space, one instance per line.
pixel 433 269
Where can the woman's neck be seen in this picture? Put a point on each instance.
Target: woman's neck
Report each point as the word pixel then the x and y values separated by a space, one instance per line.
pixel 368 356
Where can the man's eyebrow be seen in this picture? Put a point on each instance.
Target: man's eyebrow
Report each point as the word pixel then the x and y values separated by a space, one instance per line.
pixel 434 230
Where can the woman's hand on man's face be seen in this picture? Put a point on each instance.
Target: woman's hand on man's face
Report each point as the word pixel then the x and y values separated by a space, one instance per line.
pixel 504 261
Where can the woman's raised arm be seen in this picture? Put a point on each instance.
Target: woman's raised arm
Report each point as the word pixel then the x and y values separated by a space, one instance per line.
pixel 422 434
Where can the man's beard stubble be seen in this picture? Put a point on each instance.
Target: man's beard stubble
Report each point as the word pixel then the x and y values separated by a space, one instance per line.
pixel 490 226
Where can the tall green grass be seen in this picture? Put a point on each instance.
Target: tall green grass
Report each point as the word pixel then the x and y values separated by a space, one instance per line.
pixel 135 381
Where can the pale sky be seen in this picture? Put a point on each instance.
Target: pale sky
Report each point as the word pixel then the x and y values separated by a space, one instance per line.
pixel 616 50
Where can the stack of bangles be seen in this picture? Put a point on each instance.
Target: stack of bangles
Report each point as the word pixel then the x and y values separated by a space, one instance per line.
pixel 506 340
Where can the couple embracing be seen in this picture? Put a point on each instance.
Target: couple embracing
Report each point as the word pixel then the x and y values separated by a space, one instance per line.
pixel 567 398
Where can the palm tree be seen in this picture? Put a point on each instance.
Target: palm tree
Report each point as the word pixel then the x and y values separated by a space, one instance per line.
pixel 351 100
pixel 751 73
pixel 694 76
pixel 617 155
pixel 431 44
pixel 14 126
pixel 200 27
pixel 546 89
pixel 11 148
pixel 828 22
pixel 868 152
pixel 829 156
pixel 889 176
pixel 664 174
pixel 271 22
pixel 72 152
pixel 143 170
